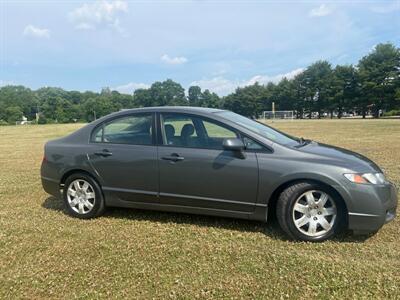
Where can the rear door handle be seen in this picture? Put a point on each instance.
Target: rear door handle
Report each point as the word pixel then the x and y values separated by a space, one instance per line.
pixel 103 153
pixel 173 157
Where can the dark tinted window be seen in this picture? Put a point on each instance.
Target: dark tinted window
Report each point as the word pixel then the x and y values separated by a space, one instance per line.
pixel 194 132
pixel 134 130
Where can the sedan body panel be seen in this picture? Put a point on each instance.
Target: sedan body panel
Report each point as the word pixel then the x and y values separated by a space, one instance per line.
pixel 130 172
pixel 212 179
pixel 340 155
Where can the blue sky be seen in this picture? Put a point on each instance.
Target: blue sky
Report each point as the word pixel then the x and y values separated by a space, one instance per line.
pixel 87 45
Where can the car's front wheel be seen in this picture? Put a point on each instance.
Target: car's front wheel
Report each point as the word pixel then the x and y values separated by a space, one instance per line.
pixel 83 197
pixel 309 212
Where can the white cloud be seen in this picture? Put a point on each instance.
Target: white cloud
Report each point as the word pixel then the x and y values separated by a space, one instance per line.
pixel 130 87
pixel 173 60
pixel 321 11
pixel 37 32
pixel 99 14
pixel 219 85
pixel 224 86
pixel 263 79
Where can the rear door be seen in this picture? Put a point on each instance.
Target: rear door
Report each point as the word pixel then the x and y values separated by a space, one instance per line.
pixel 195 170
pixel 124 155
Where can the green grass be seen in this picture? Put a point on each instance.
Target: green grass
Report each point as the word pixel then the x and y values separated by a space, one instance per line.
pixel 142 254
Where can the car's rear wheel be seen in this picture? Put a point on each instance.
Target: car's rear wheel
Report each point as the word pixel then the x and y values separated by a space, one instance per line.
pixel 309 212
pixel 83 197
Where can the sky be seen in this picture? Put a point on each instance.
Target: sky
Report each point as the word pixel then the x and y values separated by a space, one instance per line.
pixel 219 45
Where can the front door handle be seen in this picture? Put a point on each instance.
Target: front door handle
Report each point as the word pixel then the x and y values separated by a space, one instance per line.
pixel 173 157
pixel 103 153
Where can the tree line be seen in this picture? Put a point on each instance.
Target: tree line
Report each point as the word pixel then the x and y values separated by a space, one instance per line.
pixel 370 87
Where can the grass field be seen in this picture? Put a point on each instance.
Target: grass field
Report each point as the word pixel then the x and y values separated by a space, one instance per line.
pixel 142 254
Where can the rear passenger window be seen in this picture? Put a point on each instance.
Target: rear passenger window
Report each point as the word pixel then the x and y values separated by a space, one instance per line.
pixel 134 130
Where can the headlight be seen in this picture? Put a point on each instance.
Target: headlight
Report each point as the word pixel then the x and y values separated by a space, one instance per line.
pixel 368 178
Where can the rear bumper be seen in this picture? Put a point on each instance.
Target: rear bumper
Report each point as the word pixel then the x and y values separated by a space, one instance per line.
pixel 51 186
pixel 373 206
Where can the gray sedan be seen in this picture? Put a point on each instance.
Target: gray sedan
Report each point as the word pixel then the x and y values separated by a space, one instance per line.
pixel 216 162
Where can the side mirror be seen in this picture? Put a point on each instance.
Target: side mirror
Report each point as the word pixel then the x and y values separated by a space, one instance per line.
pixel 233 144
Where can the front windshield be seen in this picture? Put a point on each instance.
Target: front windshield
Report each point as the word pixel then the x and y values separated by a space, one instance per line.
pixel 259 128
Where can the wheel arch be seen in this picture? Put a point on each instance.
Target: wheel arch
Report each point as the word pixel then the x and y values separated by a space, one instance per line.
pixel 273 199
pixel 74 171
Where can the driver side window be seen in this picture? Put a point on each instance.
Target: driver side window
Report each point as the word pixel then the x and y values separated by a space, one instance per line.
pixel 181 130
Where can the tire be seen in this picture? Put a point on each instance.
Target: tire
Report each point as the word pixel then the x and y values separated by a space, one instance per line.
pixel 307 220
pixel 83 196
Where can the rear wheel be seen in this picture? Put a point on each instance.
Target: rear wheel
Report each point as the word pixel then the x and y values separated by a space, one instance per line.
pixel 83 196
pixel 309 212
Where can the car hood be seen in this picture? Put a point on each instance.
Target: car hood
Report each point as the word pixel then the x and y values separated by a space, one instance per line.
pixel 345 157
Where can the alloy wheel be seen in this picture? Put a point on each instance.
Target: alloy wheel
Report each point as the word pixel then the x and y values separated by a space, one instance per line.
pixel 314 213
pixel 81 196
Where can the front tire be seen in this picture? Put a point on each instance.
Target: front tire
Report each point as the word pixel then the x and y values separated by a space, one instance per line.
pixel 83 197
pixel 309 212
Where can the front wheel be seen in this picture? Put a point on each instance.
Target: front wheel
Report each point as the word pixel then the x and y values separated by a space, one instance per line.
pixel 309 212
pixel 83 196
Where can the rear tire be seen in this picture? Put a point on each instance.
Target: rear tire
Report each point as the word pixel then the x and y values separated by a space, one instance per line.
pixel 309 211
pixel 83 196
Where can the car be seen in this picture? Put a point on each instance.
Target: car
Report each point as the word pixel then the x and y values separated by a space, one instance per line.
pixel 216 162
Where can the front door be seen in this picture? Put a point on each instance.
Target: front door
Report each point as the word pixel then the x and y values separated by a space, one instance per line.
pixel 124 155
pixel 195 170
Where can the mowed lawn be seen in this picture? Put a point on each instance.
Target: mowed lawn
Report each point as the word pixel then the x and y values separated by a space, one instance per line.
pixel 142 254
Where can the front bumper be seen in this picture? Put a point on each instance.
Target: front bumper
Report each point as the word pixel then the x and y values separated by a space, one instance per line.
pixel 372 207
